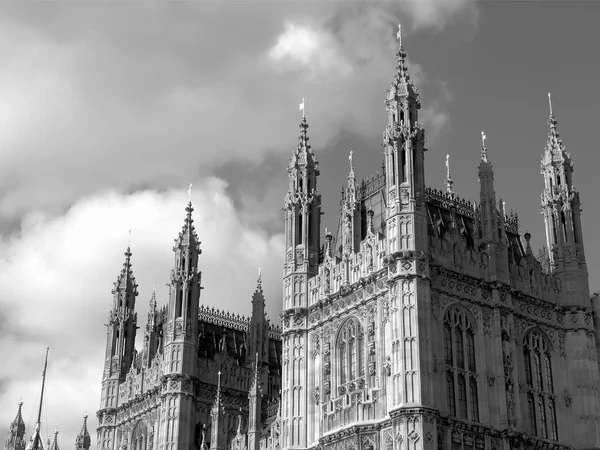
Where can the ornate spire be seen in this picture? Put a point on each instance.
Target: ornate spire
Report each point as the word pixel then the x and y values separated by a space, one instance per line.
pixel 259 281
pixel 303 156
pixel 554 146
pixel 402 85
pixel 126 280
pixel 449 181
pixel 188 236
pixel 16 438
pixel 54 445
pixel 83 441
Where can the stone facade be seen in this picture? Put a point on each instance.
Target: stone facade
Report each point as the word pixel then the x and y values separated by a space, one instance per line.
pixel 426 322
pixel 204 378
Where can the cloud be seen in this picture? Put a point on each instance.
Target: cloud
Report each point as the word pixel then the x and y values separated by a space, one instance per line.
pixel 309 49
pixel 66 267
pixel 436 13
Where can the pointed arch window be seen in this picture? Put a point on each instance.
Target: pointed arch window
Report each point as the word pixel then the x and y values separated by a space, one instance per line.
pixel 350 358
pixel 541 410
pixel 461 365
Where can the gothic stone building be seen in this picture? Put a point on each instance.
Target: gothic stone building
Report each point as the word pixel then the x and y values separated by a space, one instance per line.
pixel 204 378
pixel 426 322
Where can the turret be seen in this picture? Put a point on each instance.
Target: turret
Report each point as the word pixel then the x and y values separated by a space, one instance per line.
pixel 16 437
pixel 151 332
pixel 403 141
pixel 184 299
pixel 83 441
pixel 302 219
pixel 561 209
pixel 121 331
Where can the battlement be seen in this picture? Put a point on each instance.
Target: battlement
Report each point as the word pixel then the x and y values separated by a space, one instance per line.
pixel 367 187
pixel 450 201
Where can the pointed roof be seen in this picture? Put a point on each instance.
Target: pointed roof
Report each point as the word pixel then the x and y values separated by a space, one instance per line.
pixel 303 156
pixel 217 404
pixel 402 85
pixel 54 445
pixel 258 293
pixel 17 427
pixel 187 235
pixel 555 149
pixel 83 439
pixel 126 280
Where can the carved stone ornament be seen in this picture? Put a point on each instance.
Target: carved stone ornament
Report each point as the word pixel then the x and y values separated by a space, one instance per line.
pixel 490 378
pixel 316 395
pixel 567 397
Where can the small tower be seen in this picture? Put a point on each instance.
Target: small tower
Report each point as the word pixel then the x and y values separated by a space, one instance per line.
pixel 258 336
pixel 181 340
pixel 218 439
pixel 16 437
pixel 561 209
pixel 83 441
pixel 255 410
pixel 491 217
pixel 151 332
pixel 302 212
pixel 404 147
pixel 302 221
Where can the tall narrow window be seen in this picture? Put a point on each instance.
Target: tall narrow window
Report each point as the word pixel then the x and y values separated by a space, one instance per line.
pixel 461 378
pixel 350 354
pixel 448 344
pixel 404 174
pixel 474 400
pixel 393 154
pixel 540 399
pixel 188 306
pixel 450 393
pixel 178 302
pixel 462 397
pixel 531 413
pixel 299 239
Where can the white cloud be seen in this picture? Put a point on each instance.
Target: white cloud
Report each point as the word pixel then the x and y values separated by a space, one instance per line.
pixel 436 13
pixel 305 47
pixel 66 267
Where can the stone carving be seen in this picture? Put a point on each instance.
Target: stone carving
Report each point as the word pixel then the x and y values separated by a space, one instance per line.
pixel 490 378
pixel 567 398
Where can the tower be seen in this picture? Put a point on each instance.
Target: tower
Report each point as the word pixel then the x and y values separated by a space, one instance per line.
pixel 181 340
pixel 408 333
pixel 83 441
pixel 302 212
pixel 561 209
pixel 16 438
pixel 120 342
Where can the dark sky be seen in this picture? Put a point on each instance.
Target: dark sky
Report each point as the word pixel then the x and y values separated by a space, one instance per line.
pixel 109 110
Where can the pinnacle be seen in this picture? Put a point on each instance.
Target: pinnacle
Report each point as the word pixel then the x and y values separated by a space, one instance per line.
pixel 54 445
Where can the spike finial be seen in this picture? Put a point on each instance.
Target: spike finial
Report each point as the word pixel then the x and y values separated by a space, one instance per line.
pixel 449 181
pixel 550 102
pixel 303 106
pixel 399 35
pixel 190 193
pixel 483 147
pixel 129 240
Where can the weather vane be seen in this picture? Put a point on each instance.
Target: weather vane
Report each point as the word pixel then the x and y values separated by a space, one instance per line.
pixel 448 166
pixel 550 102
pixel 399 35
pixel 483 138
pixel 302 106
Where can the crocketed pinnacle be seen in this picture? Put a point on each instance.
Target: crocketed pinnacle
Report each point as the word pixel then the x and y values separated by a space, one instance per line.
pixel 303 156
pixel 83 440
pixel 217 404
pixel 126 280
pixel 188 236
pixel 554 146
pixel 17 427
pixel 254 389
pixel 402 85
pixel 54 445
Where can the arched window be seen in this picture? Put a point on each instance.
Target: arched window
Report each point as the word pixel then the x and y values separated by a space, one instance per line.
pixel 350 356
pixel 461 368
pixel 541 410
pixel 139 437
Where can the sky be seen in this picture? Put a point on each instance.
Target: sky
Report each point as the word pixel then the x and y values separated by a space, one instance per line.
pixel 108 110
